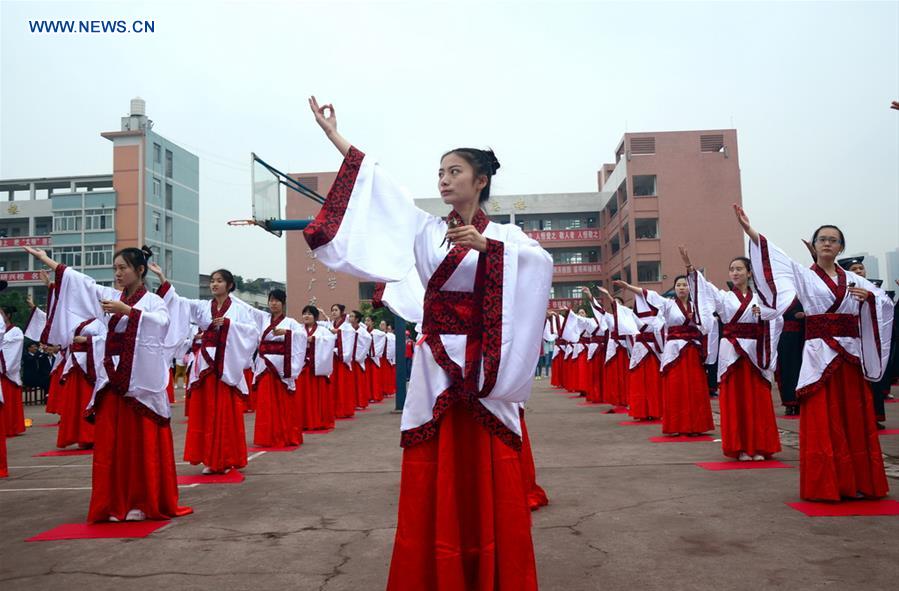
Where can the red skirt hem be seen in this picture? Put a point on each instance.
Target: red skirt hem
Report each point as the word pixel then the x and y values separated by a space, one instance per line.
pixel 216 435
pixel 747 412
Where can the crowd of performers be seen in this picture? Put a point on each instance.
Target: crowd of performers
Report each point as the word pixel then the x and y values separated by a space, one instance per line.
pixel 822 332
pixel 478 292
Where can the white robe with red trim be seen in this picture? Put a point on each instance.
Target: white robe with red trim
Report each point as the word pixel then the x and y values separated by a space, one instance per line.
pixel 297 358
pixel 77 298
pixel 240 344
pixel 378 342
pixel 13 344
pixel 779 279
pixel 348 236
pixel 95 331
pixel 391 348
pixel 324 343
pixel 2 334
pixel 362 346
pixel 669 314
pixel 726 304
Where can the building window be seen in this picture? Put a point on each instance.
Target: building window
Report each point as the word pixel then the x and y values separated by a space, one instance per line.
pixel 168 266
pixel 98 255
pixel 157 188
pixel 98 219
pixel 627 274
pixel 43 226
pixel 168 196
pixel 156 219
pixel 615 244
pixel 611 208
pixel 622 192
pixel 169 231
pixel 646 228
pixel 67 221
pixel 157 154
pixel 68 255
pixel 366 290
pixel 168 164
pixel 626 234
pixel 649 271
pixel 644 185
pixel 565 290
pixel 711 143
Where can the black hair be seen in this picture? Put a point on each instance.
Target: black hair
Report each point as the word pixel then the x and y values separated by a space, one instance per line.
pixel 227 276
pixel 136 257
pixel 842 238
pixel 678 278
pixel 9 310
pixel 278 294
pixel 357 315
pixel 745 261
pixel 340 307
pixel 483 162
pixel 311 310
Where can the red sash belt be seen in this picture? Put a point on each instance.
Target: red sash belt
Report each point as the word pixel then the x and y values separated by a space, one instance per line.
pixel 452 312
pixel 273 348
pixel 646 338
pixel 115 344
pixel 79 347
pixel 599 340
pixel 684 333
pixel 743 330
pixel 823 326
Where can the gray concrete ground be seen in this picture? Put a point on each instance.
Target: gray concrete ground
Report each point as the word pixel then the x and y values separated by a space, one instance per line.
pixel 624 514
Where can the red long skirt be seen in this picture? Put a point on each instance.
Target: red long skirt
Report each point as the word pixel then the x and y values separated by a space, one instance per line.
pixel 536 496
pixel 583 374
pixel 376 382
pixel 277 408
pixel 747 413
pixel 597 375
pixel 615 384
pixel 343 383
pixel 250 402
pixel 318 397
pixel 73 396
pixel 839 450
pixel 555 374
pixel 645 389
pixel 170 389
pixel 52 403
pixel 216 436
pixel 134 464
pixel 363 385
pixel 4 470
pixel 388 378
pixel 13 408
pixel 685 395
pixel 464 523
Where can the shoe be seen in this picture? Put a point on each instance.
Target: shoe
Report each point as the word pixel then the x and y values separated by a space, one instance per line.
pixel 207 471
pixel 744 457
pixel 135 515
pixel 758 458
pixel 114 519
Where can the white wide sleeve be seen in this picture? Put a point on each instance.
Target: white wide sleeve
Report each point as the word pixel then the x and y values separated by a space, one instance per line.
pixel 368 223
pixel 36 323
pixel 876 324
pixel 77 298
pixel 776 275
pixel 709 299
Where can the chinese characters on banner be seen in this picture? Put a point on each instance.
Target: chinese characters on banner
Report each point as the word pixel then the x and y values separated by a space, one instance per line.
pixel 25 241
pixel 577 269
pixel 13 277
pixel 550 235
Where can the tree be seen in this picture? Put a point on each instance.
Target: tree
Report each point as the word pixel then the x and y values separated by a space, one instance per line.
pixel 16 300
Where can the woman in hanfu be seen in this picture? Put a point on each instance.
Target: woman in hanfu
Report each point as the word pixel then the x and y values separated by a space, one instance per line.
pixel 388 361
pixel 11 347
pixel 686 409
pixel 847 341
pixel 313 385
pixel 343 379
pixel 282 350
pixel 216 435
pixel 617 350
pixel 76 380
pixel 463 518
pixel 375 361
pixel 644 373
pixel 747 356
pixel 4 467
pixel 133 461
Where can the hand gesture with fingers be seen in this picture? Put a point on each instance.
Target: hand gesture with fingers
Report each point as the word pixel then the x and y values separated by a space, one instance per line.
pixel 467 236
pixel 685 256
pixel 157 270
pixel 325 115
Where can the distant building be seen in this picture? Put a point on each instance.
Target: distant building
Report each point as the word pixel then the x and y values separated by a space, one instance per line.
pixel 151 197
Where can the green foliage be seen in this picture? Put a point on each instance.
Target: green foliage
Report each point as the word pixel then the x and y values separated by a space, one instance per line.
pixel 16 300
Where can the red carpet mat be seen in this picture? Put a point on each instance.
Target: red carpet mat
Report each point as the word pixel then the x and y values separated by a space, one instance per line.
pixel 737 465
pixel 888 432
pixel 633 423
pixel 616 410
pixel 254 449
pixel 847 508
pixel 86 531
pixel 64 452
pixel 317 431
pixel 230 477
pixel 680 439
pixel 891 401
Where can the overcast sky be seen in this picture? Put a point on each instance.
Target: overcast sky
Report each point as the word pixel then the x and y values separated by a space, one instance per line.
pixel 551 86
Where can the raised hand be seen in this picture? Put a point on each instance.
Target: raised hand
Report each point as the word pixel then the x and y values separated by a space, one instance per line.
pixel 684 255
pixel 743 220
pixel 30 301
pixel 467 236
pixel 325 115
pixel 895 105
pixel 44 277
pixel 157 270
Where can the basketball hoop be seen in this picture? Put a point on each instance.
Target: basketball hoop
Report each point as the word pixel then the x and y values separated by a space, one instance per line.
pixel 242 223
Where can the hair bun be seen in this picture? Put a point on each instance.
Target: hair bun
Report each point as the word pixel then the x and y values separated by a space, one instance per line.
pixel 492 161
pixel 148 252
